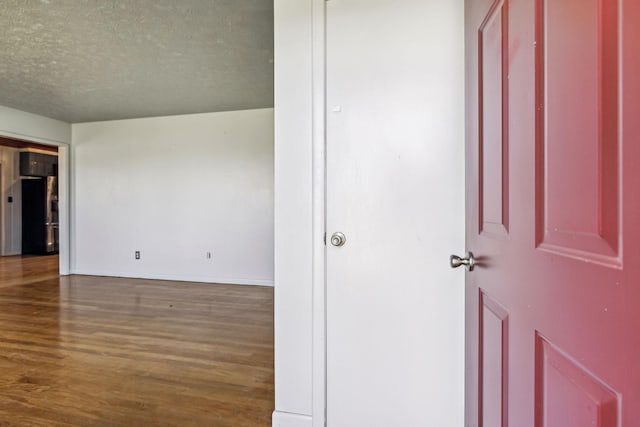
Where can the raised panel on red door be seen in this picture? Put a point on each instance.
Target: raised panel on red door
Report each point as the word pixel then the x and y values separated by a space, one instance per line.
pixel 552 216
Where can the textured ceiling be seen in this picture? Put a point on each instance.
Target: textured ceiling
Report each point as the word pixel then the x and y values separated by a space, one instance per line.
pixel 91 60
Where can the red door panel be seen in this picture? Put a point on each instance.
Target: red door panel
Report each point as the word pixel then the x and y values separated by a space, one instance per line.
pixel 493 362
pixel 567 394
pixel 577 128
pixel 553 214
pixel 493 132
pixel 493 139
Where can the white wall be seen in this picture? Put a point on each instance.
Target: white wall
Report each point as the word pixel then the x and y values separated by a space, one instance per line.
pixel 294 206
pixel 175 188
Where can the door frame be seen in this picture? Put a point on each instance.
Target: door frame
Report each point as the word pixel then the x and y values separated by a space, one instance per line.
pixel 299 223
pixel 64 194
pixel 319 197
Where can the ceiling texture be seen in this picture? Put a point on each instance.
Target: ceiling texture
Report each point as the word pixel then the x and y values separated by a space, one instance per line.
pixel 93 60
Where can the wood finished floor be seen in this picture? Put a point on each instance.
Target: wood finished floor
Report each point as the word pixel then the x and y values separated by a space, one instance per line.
pixel 92 351
pixel 17 270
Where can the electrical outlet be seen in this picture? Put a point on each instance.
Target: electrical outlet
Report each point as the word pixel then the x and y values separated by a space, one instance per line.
pixel 137 254
pixel 208 255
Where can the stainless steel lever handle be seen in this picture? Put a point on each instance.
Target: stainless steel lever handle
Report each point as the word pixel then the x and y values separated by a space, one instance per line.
pixel 455 261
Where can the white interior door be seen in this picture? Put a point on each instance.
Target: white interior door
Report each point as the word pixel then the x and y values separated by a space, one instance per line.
pixel 395 188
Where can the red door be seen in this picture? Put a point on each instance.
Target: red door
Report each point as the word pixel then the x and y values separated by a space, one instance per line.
pixel 553 213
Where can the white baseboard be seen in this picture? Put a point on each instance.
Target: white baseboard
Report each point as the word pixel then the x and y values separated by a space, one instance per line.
pixel 285 419
pixel 175 278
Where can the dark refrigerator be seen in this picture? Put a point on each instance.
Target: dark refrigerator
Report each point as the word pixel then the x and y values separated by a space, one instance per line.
pixel 40 216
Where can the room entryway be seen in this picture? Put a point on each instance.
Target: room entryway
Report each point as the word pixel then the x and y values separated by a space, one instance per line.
pixel 30 202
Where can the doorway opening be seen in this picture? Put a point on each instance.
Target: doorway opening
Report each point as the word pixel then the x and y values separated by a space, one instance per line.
pixel 29 211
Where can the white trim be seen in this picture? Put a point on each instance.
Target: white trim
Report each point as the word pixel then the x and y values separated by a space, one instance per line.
pixel 176 278
pixel 64 206
pixel 72 214
pixel 319 170
pixel 30 138
pixel 285 419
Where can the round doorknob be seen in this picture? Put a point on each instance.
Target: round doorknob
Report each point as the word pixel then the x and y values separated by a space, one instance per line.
pixel 338 239
pixel 455 261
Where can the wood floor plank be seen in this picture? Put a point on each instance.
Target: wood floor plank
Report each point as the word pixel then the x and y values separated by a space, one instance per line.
pixel 96 351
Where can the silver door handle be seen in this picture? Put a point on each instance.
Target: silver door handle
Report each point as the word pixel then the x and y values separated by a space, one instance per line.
pixel 455 261
pixel 338 239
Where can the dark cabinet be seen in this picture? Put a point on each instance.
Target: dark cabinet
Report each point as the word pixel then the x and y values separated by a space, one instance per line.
pixel 38 164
